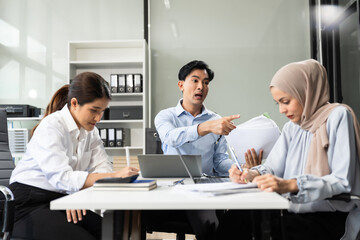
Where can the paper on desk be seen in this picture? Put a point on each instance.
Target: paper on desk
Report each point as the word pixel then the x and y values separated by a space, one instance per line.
pixel 215 189
pixel 258 133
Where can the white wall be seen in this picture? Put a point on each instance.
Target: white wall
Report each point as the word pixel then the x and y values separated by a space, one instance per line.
pixel 243 41
pixel 34 37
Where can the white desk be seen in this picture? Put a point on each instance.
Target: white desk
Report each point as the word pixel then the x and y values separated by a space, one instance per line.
pixel 163 198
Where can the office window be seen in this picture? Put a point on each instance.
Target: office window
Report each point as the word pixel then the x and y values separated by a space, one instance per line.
pixel 337 44
pixel 350 62
pixel 34 37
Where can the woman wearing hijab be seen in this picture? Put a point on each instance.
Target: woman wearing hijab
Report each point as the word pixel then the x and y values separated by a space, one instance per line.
pixel 315 158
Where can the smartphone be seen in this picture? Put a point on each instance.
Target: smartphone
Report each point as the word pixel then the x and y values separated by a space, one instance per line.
pixel 118 179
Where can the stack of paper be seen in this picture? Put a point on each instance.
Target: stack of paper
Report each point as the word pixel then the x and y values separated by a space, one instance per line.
pixel 259 133
pixel 217 189
pixel 137 185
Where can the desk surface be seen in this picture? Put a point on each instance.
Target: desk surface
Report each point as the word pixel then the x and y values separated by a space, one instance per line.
pixel 165 198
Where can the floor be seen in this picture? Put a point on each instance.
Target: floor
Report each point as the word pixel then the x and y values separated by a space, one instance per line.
pixel 166 236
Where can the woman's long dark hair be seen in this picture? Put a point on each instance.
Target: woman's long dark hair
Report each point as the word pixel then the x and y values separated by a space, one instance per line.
pixel 57 102
pixel 88 86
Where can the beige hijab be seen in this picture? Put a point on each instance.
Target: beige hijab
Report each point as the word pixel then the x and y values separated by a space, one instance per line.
pixel 307 82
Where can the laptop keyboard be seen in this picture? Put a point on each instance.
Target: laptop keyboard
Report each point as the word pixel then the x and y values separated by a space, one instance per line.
pixel 211 180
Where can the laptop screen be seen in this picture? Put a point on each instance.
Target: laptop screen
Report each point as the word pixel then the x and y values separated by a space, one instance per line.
pixel 169 166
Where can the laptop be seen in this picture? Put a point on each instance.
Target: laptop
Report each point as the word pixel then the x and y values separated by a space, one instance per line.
pixel 168 166
pixel 197 180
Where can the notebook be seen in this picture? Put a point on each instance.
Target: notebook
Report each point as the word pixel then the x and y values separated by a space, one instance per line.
pixel 195 179
pixel 126 183
pixel 168 166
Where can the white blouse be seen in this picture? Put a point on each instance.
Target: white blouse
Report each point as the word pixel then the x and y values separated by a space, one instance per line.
pixel 289 155
pixel 59 155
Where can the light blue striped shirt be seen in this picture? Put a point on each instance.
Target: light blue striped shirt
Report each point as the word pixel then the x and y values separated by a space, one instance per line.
pixel 178 129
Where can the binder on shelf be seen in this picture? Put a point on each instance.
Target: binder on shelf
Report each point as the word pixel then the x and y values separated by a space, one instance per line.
pixel 114 83
pixel 129 83
pixel 126 137
pixel 111 137
pixel 119 137
pixel 123 138
pixel 137 83
pixel 121 83
pixel 103 135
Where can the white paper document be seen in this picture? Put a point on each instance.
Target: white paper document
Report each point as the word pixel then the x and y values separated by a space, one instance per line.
pixel 217 189
pixel 258 133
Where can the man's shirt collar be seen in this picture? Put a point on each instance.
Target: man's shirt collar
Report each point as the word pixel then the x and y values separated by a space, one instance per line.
pixel 180 110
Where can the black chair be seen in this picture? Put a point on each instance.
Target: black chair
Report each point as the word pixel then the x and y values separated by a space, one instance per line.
pixel 346 197
pixel 6 167
pixel 153 142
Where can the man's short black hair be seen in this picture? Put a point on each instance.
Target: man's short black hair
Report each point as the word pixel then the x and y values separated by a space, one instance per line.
pixel 189 67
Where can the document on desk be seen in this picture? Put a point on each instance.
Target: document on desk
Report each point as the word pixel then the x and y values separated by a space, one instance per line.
pixel 259 133
pixel 217 189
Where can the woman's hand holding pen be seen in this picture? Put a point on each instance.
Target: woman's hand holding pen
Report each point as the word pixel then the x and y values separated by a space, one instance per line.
pixel 245 176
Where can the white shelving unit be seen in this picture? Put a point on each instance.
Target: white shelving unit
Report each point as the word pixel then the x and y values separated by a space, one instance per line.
pixel 22 124
pixel 116 57
pixel 13 119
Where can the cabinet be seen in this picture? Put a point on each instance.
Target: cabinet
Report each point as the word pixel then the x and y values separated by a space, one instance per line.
pixel 117 57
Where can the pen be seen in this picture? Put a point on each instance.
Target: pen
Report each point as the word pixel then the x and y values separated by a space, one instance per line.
pixel 181 181
pixel 232 151
pixel 217 141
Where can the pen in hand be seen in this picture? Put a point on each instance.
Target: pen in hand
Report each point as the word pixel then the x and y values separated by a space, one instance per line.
pixel 232 152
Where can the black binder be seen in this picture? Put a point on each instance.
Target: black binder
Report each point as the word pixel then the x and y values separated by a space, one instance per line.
pixel 126 137
pixel 129 83
pixel 103 135
pixel 121 83
pixel 114 83
pixel 137 83
pixel 119 137
pixel 111 137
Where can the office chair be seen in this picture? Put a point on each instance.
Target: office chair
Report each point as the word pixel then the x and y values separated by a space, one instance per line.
pixel 6 167
pixel 153 142
pixel 346 197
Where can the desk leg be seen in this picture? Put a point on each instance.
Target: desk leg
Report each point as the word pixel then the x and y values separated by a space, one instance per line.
pixel 107 232
pixel 135 231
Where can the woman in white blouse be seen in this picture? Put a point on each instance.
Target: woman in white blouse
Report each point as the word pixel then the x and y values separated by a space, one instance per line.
pixel 64 155
pixel 315 158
